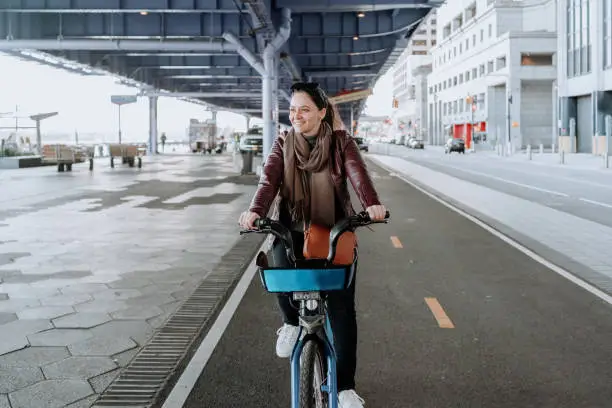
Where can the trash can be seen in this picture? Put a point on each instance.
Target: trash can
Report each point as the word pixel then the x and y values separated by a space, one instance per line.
pixel 247 162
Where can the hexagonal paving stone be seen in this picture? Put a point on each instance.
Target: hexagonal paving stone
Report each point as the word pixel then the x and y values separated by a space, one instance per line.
pixel 81 320
pixel 15 378
pixel 102 346
pixel 34 356
pixel 7 317
pixel 66 300
pixel 51 394
pixel 138 330
pixel 137 312
pixel 4 401
pixel 116 294
pixel 59 337
pixel 84 403
pixel 79 367
pixel 45 312
pixel 12 343
pixel 25 327
pixel 101 306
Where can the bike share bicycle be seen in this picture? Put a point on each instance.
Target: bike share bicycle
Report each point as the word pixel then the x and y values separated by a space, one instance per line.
pixel 313 361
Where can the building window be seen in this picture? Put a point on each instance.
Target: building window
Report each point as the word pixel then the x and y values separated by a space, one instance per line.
pixel 433 43
pixel 537 59
pixel 419 42
pixel 490 67
pixel 474 40
pixel 490 30
pixel 467 44
pixel 482 69
pixel 419 52
pixel 467 76
pixel 482 35
pixel 578 38
pixel 474 73
pixel 607 44
pixel 501 63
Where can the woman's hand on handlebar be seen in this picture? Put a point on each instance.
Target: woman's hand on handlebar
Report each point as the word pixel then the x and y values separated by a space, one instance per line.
pixel 247 220
pixel 376 212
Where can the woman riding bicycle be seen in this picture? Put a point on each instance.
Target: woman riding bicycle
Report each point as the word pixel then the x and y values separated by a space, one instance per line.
pixel 310 166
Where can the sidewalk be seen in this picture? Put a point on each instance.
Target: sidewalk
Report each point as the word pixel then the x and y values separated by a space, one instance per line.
pixel 93 264
pixel 577 245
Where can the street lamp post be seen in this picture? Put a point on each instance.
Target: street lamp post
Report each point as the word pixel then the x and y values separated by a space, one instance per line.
pixel 121 100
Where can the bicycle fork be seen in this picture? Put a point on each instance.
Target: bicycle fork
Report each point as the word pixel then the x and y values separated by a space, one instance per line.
pixel 331 388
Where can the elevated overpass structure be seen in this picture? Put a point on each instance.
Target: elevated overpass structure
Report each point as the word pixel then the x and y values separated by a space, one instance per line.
pixel 235 55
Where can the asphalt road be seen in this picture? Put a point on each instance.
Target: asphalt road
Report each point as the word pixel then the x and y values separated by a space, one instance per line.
pixel 583 193
pixel 523 336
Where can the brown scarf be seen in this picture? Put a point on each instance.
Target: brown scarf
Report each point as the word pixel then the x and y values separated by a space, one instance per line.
pixel 308 186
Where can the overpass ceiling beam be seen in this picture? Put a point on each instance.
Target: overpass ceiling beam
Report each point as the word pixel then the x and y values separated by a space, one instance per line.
pixel 348 25
pixel 223 72
pixel 291 67
pixel 334 6
pixel 114 45
pixel 118 6
pixel 205 94
pixel 233 60
pixel 193 27
pixel 342 73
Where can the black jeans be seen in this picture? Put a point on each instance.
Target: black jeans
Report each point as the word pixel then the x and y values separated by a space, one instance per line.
pixel 341 310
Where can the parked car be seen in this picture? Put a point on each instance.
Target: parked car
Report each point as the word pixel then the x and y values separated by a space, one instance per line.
pixel 361 143
pixel 454 145
pixel 417 144
pixel 251 143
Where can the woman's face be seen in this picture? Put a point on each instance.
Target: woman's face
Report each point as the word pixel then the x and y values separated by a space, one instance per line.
pixel 304 114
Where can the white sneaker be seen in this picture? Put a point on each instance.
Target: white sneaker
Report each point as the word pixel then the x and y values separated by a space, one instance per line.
pixel 287 337
pixel 350 399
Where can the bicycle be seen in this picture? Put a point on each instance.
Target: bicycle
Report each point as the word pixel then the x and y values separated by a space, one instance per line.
pixel 313 360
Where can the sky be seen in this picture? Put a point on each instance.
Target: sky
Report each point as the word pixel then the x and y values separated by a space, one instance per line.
pixel 84 106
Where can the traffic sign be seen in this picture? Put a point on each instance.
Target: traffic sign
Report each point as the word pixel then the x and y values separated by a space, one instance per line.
pixel 123 99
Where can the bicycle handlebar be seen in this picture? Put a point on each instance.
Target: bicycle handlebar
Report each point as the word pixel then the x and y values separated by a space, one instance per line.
pixel 267 226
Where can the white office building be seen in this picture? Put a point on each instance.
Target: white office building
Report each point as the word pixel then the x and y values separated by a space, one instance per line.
pixel 585 74
pixel 493 73
pixel 410 81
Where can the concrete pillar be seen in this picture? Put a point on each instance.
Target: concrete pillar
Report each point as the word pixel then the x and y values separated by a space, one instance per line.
pixel 275 96
pixel 267 104
pixel 352 118
pixel 152 125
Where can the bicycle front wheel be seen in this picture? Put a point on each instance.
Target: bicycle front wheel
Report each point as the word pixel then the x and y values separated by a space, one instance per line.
pixel 313 374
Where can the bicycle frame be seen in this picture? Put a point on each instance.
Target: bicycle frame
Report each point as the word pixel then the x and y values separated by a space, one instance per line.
pixel 330 353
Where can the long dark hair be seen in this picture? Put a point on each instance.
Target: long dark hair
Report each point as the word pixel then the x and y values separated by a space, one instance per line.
pixel 321 100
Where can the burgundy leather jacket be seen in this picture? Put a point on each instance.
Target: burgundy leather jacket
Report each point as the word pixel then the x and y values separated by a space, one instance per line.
pixel 347 163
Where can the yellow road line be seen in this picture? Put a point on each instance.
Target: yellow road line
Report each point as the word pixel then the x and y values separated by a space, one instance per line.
pixel 443 320
pixel 396 242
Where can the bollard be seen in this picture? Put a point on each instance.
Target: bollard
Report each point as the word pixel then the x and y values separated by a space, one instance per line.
pixel 528 152
pixel 562 153
pixel 541 148
pixel 553 147
pixel 606 158
pixel 247 162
